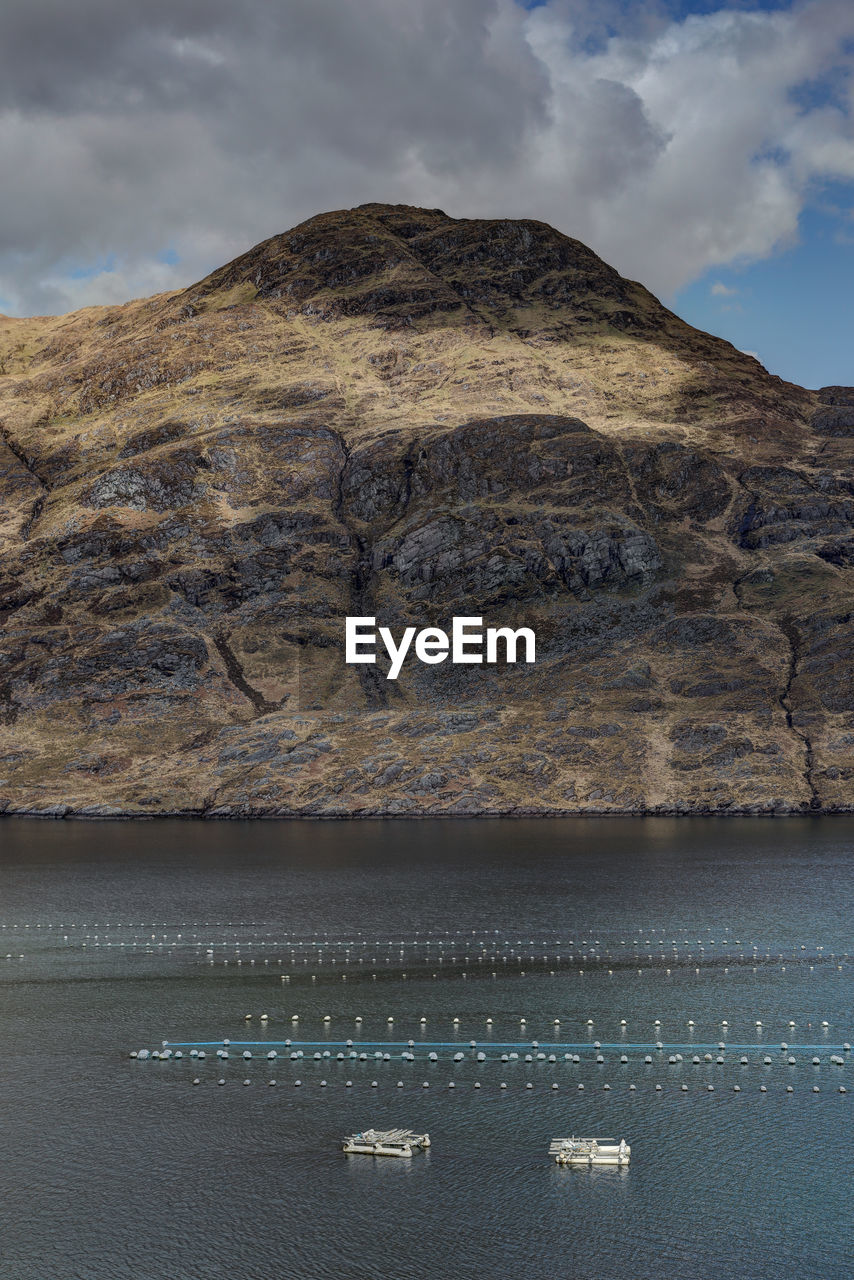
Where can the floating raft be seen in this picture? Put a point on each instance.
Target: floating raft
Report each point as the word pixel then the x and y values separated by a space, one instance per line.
pixel 588 1151
pixel 385 1142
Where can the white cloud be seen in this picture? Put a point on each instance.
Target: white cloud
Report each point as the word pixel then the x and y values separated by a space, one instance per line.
pixel 671 147
pixel 719 290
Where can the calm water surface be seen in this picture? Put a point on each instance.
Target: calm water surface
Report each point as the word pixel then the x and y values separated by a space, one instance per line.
pixel 117 937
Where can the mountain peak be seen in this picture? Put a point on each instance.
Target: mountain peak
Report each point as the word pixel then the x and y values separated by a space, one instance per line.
pixel 387 411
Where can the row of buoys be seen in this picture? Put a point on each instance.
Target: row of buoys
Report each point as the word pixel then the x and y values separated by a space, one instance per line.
pixel 523 1021
pixel 379 1055
pixel 418 937
pixel 453 1084
pixel 351 1044
pixel 459 940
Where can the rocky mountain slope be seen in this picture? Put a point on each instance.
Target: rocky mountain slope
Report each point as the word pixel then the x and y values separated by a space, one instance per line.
pixel 390 412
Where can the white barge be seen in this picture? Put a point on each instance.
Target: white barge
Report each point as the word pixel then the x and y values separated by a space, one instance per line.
pixel 385 1142
pixel 590 1151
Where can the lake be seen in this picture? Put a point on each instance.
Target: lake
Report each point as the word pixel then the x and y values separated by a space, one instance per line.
pixel 594 938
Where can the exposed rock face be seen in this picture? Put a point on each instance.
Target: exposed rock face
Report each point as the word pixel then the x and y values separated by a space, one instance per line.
pixel 390 412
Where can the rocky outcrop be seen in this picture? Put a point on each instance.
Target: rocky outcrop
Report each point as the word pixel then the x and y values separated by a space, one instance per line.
pixel 390 412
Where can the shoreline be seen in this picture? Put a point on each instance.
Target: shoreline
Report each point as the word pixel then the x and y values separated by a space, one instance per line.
pixel 104 813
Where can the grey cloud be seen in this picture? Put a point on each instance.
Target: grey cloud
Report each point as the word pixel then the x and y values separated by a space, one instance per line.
pixel 202 127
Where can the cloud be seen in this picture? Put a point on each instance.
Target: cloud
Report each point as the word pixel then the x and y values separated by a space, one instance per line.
pixel 719 290
pixel 201 127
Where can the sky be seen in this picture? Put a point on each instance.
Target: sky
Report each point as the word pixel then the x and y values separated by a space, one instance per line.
pixel 704 149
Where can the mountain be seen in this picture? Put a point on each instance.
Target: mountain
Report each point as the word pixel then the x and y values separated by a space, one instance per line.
pixel 389 412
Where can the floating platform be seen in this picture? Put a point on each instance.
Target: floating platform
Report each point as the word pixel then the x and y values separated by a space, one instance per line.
pixel 385 1142
pixel 590 1151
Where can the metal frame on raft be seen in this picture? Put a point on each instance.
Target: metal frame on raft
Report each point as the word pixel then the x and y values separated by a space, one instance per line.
pixel 385 1142
pixel 590 1151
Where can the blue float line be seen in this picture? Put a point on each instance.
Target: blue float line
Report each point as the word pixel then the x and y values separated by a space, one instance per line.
pixel 481 1045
